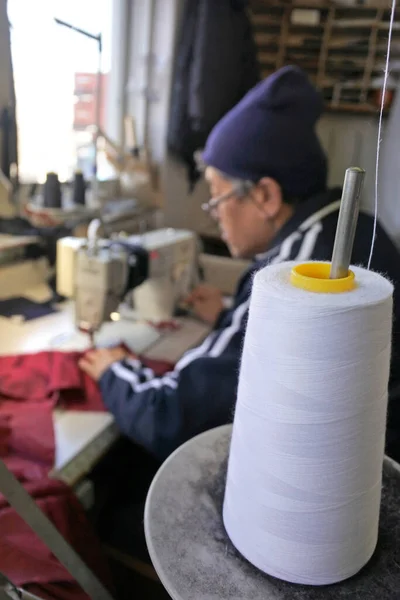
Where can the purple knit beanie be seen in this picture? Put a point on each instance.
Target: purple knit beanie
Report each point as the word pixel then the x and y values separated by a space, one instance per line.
pixel 271 133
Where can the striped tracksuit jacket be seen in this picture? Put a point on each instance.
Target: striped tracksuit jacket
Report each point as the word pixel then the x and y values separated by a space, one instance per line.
pixel 161 413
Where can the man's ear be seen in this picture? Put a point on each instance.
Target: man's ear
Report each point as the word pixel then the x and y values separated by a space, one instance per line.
pixel 268 196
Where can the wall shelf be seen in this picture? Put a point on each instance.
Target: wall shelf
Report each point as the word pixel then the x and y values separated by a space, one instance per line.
pixel 341 47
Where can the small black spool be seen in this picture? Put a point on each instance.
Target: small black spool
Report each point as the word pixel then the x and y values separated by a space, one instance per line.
pixel 79 189
pixel 52 191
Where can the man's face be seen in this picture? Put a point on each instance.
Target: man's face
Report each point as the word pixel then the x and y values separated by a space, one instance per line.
pixel 242 223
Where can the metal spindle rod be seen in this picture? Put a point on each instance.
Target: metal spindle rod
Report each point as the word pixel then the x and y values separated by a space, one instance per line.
pixel 347 222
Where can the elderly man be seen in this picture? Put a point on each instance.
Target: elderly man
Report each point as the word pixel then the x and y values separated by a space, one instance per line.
pixel 268 179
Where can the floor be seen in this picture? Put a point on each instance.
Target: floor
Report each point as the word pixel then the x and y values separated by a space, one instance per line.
pixel 117 516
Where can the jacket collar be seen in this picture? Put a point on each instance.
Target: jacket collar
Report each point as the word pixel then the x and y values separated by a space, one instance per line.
pixel 305 215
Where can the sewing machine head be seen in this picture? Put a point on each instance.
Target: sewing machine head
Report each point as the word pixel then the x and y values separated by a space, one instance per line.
pixel 157 268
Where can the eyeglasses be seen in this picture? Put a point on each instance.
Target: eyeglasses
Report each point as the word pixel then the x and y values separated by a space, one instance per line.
pixel 240 190
pixel 213 203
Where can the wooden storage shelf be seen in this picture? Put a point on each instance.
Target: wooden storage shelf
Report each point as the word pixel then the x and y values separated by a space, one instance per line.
pixel 355 108
pixel 265 5
pixel 342 48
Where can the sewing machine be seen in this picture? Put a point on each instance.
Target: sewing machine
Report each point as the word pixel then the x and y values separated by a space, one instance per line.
pixel 153 271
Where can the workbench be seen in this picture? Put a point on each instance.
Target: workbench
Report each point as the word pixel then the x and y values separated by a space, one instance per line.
pixel 195 558
pixel 82 438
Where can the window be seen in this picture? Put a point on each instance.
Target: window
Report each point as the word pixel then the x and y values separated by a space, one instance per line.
pixel 48 60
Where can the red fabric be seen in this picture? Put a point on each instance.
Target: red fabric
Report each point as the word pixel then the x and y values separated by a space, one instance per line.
pixel 55 377
pixel 24 558
pixel 48 376
pixel 57 591
pixel 26 561
pixel 160 367
pixel 30 387
pixel 31 433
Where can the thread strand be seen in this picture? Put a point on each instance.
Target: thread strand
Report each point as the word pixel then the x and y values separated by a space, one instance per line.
pixel 379 140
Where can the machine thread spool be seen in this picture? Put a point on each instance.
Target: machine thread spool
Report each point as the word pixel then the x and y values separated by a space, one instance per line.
pixel 304 479
pixel 52 197
pixel 79 188
pixel 303 489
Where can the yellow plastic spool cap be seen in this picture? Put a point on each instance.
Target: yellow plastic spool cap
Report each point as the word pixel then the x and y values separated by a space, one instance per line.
pixel 314 277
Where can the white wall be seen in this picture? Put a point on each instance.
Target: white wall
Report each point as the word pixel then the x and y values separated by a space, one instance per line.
pixel 350 141
pixel 116 96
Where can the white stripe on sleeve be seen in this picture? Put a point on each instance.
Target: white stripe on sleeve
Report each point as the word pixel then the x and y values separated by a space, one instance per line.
pixel 194 353
pixel 228 333
pixel 126 374
pixel 155 383
pixel 309 241
pixel 137 365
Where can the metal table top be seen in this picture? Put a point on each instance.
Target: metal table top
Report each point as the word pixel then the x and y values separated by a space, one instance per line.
pixel 195 559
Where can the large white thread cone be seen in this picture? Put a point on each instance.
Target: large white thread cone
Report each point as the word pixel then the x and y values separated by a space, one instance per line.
pixel 304 478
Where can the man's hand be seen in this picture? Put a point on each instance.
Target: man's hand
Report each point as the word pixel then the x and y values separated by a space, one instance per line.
pixel 96 362
pixel 206 302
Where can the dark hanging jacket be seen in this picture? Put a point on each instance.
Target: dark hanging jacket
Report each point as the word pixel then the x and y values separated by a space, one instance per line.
pixel 161 413
pixel 216 66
